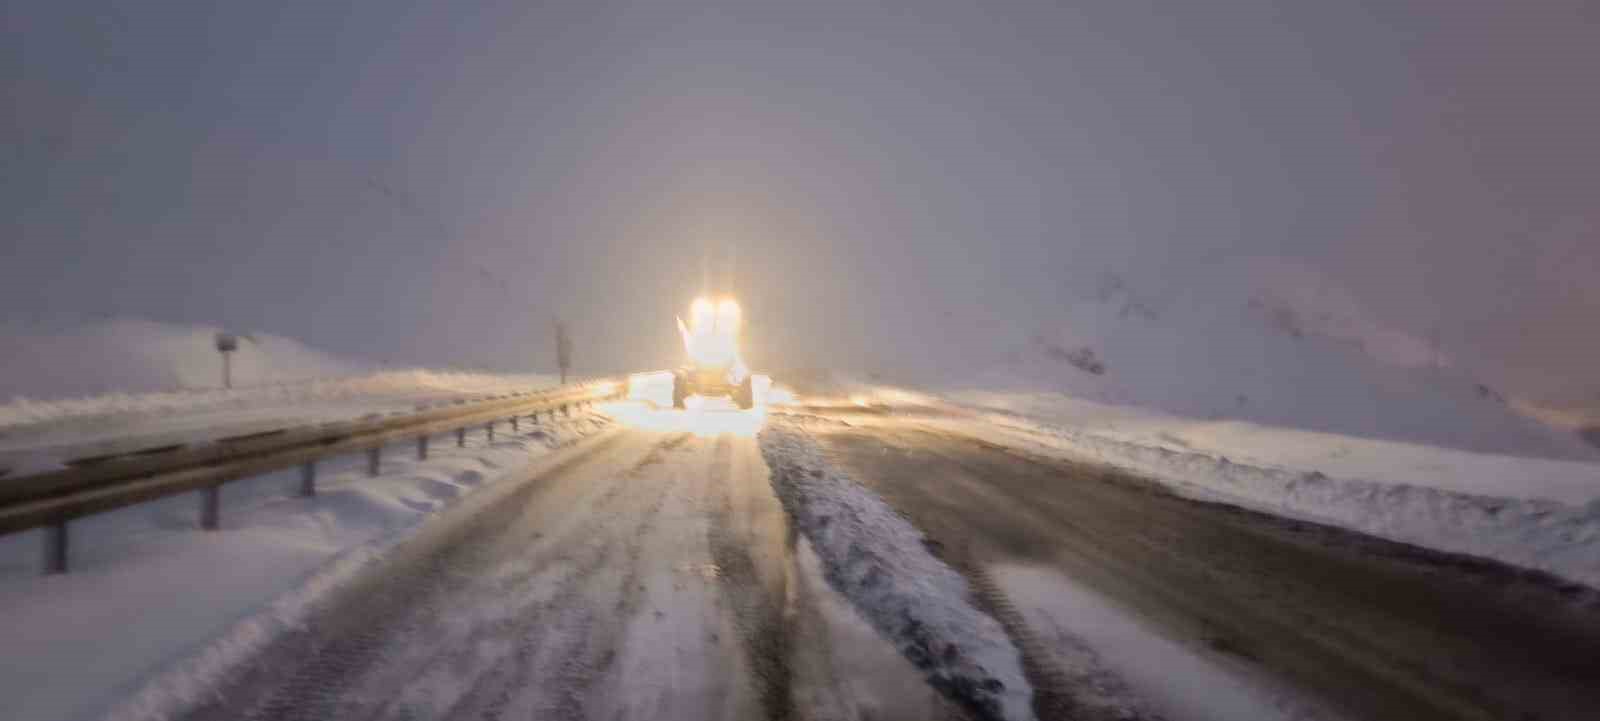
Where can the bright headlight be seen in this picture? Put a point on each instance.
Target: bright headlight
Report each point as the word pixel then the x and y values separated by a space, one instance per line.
pixel 727 316
pixel 702 315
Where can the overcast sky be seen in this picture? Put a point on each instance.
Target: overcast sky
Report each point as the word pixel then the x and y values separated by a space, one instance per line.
pixel 897 181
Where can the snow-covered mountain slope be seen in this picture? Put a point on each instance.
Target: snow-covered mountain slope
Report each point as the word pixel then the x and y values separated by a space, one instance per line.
pixel 1267 343
pixel 1287 399
pixel 129 355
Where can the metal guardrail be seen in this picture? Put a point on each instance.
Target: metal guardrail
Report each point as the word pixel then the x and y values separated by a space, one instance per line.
pixel 50 500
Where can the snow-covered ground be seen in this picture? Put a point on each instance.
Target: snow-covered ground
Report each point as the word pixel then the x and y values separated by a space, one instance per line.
pixel 1537 514
pixel 155 385
pixel 1153 433
pixel 147 590
pixel 1273 349
pixel 133 355
pixel 154 603
pixel 378 391
pixel 1265 386
pixel 37 436
pixel 1534 512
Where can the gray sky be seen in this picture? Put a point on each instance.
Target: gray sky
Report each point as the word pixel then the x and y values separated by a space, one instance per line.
pixel 432 184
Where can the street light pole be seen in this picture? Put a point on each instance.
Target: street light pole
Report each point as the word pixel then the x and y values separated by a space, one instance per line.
pixel 563 350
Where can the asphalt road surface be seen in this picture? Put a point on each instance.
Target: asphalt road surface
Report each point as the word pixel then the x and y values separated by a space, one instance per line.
pixel 651 573
pixel 1368 628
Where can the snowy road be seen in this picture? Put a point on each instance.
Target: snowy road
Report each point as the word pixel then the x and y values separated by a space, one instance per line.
pixel 701 565
pixel 646 574
pixel 1287 619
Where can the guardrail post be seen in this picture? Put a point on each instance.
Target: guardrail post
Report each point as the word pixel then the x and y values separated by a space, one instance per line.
pixel 374 458
pixel 210 507
pixel 308 479
pixel 55 547
pixel 422 448
pixel 461 438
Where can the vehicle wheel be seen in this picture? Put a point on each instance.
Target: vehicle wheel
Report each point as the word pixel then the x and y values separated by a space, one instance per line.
pixel 745 397
pixel 680 391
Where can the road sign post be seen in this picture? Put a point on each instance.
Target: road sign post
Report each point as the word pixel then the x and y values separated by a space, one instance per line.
pixel 227 343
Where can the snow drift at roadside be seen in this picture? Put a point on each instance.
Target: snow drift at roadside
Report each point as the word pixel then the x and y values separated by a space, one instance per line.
pixel 1548 535
pixel 876 559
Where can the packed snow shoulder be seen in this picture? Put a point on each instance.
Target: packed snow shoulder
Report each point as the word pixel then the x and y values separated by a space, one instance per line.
pixel 1542 534
pixel 877 559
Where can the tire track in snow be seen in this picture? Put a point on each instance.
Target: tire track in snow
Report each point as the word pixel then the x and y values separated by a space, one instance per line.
pixel 758 612
pixel 577 642
pixel 312 675
pixel 1089 694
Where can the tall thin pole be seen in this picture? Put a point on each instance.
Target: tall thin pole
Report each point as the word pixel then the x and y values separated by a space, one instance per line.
pixel 563 349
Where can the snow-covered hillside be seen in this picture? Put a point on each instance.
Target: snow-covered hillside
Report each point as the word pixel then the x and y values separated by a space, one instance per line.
pixel 1265 387
pixel 130 355
pixel 1269 343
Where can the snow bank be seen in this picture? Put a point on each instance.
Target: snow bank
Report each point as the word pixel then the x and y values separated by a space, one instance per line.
pixel 877 559
pixel 1559 537
pixel 1573 482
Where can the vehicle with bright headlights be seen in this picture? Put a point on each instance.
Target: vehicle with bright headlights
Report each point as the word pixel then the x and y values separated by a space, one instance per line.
pixel 711 338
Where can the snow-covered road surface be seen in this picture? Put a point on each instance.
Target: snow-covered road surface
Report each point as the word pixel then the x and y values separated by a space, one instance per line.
pixel 1130 601
pixel 648 575
pixel 151 596
pixel 835 561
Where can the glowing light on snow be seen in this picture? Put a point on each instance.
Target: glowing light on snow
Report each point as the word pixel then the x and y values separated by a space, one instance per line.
pixel 779 396
pixel 704 417
pixel 651 387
